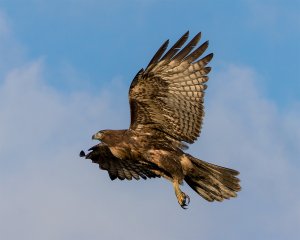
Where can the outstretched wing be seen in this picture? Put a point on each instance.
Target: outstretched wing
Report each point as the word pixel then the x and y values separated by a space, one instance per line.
pixel 117 168
pixel 168 95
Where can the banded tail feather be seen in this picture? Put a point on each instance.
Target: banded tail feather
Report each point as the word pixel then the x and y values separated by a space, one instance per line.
pixel 212 182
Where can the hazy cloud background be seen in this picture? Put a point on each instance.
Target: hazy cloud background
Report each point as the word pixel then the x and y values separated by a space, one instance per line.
pixel 65 69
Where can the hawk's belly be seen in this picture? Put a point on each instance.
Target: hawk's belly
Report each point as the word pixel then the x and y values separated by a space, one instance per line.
pixel 168 161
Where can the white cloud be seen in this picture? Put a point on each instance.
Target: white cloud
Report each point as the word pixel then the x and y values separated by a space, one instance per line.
pixel 245 130
pixel 48 192
pixel 42 132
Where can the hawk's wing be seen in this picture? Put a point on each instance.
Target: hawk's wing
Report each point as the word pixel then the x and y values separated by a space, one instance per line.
pixel 168 95
pixel 117 168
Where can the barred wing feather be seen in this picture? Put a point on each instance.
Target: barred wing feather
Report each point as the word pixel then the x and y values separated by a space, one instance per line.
pixel 168 95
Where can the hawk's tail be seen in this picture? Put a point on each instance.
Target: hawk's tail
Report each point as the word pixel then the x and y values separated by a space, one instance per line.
pixel 212 182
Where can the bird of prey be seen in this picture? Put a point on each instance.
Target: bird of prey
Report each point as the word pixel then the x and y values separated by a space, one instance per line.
pixel 166 109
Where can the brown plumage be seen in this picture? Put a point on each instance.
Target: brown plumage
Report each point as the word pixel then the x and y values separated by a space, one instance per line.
pixel 166 106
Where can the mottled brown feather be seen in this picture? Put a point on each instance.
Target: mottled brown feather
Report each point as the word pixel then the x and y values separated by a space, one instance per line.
pixel 118 168
pixel 168 95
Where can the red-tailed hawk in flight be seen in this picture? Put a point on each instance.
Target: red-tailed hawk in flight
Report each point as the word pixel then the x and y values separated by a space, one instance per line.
pixel 166 106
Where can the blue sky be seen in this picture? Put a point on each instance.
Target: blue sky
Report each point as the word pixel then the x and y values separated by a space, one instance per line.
pixel 65 69
pixel 86 34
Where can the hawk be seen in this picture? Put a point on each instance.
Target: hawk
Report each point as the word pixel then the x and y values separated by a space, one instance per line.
pixel 166 109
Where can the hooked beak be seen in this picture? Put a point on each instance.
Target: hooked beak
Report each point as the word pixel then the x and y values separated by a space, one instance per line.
pixel 94 137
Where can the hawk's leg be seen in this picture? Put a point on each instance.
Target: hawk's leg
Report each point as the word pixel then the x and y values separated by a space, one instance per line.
pixel 182 198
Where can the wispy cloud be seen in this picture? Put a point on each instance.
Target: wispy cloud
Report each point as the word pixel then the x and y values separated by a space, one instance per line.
pixel 245 130
pixel 49 192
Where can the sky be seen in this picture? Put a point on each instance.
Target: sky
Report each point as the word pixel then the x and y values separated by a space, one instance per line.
pixel 65 70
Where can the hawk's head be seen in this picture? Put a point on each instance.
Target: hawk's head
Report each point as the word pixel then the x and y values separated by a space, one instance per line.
pixel 99 135
pixel 109 136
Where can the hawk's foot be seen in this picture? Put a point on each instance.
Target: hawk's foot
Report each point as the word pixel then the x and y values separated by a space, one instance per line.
pixel 182 198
